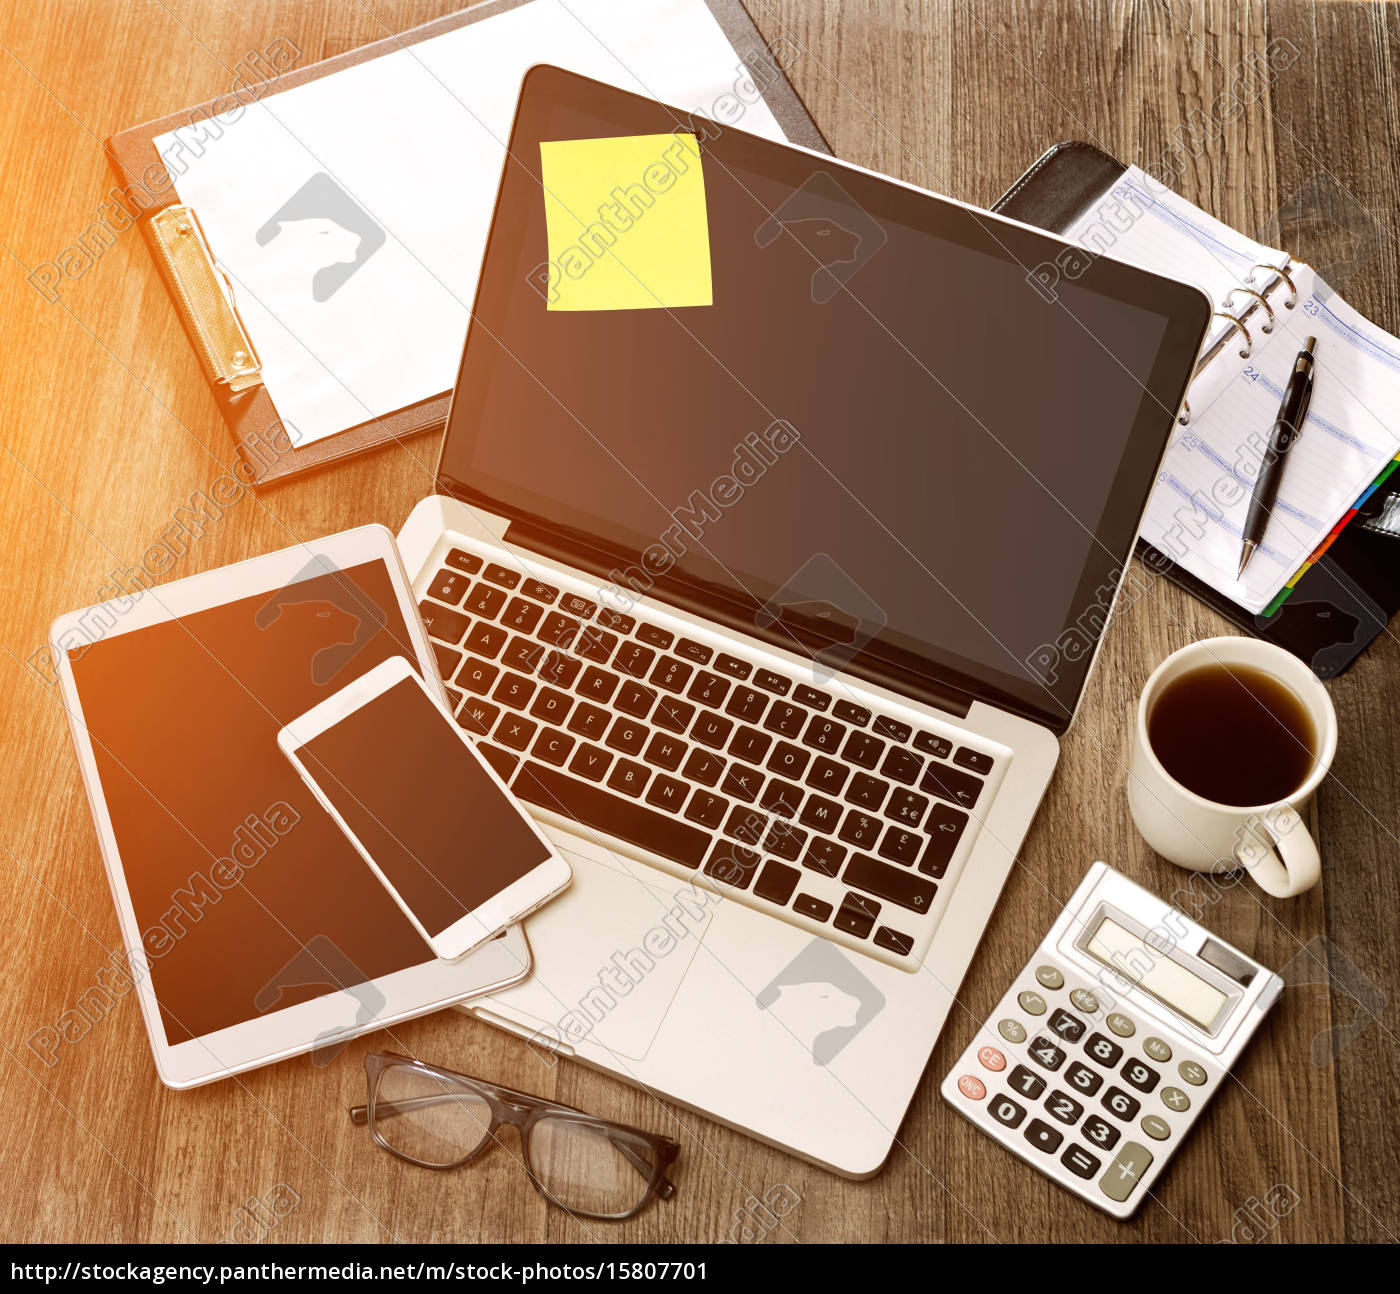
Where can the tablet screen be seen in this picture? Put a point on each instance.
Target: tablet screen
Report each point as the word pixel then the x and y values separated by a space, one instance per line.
pixel 248 897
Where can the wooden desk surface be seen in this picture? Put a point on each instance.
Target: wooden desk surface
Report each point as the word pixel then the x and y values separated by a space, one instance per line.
pixel 107 428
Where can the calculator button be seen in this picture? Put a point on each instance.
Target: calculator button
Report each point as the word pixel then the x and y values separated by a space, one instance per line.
pixel 1104 1050
pixel 1069 1027
pixel 1083 1078
pixel 1101 1133
pixel 1084 1000
pixel 1143 1077
pixel 1126 1171
pixel 1044 1052
pixel 1176 1099
pixel 1043 1137
pixel 1118 1102
pixel 1065 1108
pixel 1121 1025
pixel 1080 1162
pixel 1032 1003
pixel 1157 1129
pixel 1006 1111
pixel 1026 1084
pixel 971 1087
pixel 1191 1072
pixel 1049 977
pixel 1157 1049
pixel 1012 1030
pixel 991 1059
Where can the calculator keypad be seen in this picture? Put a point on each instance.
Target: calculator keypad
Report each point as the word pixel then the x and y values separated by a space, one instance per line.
pixel 1086 1091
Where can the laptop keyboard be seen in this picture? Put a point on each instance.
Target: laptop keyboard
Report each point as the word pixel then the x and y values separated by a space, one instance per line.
pixel 710 760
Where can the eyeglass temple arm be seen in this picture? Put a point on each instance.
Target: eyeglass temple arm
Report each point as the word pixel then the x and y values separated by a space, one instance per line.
pixel 359 1116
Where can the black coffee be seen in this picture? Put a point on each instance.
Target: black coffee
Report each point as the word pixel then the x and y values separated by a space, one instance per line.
pixel 1232 734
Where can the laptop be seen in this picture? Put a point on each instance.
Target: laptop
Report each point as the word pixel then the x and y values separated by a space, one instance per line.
pixel 778 517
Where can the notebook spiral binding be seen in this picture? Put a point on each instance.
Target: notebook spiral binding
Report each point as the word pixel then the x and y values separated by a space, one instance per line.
pixel 1278 277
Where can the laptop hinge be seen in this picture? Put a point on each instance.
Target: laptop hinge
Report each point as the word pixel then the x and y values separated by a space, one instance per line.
pixel 918 687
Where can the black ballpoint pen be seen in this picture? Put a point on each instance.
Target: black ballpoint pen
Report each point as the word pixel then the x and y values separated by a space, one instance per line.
pixel 1288 426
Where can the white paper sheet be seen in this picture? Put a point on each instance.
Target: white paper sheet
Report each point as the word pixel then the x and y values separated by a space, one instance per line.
pixel 350 213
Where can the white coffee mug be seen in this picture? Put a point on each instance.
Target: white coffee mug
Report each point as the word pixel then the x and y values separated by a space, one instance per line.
pixel 1271 841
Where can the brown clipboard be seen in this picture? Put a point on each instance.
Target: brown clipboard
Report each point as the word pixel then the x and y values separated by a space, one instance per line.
pixel 148 190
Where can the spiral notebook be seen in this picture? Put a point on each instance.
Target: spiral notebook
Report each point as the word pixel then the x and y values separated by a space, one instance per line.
pixel 1333 575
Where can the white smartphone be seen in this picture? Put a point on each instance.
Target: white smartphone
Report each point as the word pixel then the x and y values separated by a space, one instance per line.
pixel 425 810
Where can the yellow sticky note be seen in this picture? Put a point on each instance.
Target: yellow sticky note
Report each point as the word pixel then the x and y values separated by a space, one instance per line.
pixel 626 224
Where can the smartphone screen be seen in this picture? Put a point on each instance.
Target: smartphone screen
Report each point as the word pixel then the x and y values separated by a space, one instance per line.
pixel 424 807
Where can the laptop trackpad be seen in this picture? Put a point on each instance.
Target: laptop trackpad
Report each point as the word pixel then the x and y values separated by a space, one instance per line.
pixel 610 953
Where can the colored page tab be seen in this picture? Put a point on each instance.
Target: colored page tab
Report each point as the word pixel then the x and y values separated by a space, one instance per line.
pixel 626 223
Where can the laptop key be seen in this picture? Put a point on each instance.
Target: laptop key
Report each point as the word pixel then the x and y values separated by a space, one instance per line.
pixel 810 697
pixel 478 717
pixel 952 784
pixel 893 729
pixel 860 829
pixel 449 586
pixel 824 856
pixel 521 616
pixel 447 660
pixel 673 714
pixel 707 808
pixel 540 591
pixel 809 906
pixel 745 824
pixel 731 863
pixel 461 561
pixel 485 640
pixel 750 744
pixel 485 601
pixel 901 766
pixel 742 783
pixel 559 630
pixel 867 792
pixel 589 721
pixel 885 882
pixel 849 712
pixel 513 690
pixel 597 685
pixel 709 689
pixel 560 669
pixel 665 752
pixel 788 760
pixel 824 734
pixel 784 840
pixel 628 777
pixel 712 730
pixel 552 746
pixel 634 699
pixel 634 659
pixel 600 810
pixel 894 941
pixel 733 666
pixel 781 797
pixel 931 744
pixel 944 826
pixel 771 682
pixel 906 807
pixel 477 676
pixel 591 762
pixel 828 776
pixel 856 915
pixel 667 793
pixel 501 575
pixel 776 882
pixel 616 620
pixel 552 706
pixel 627 736
pixel 671 674
pixel 523 655
pixel 655 636
pixel 442 623
pixel 821 814
pixel 578 606
pixel 694 651
pixel 863 749
pixel 501 760
pixel 703 768
pixel 786 718
pixel 901 846
pixel 596 644
pixel 975 760
pixel 746 704
pixel 516 731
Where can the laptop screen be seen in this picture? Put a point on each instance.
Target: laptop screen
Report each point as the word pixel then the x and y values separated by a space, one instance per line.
pixel 832 410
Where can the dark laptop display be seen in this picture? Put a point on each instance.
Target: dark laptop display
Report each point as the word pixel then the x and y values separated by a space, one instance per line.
pixel 878 441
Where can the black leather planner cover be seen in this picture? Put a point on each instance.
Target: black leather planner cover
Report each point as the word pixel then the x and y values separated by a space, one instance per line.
pixel 1345 600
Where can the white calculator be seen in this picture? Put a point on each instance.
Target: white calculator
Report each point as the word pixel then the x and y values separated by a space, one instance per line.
pixel 1106 1048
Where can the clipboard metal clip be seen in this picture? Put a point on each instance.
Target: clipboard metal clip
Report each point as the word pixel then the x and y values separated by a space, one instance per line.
pixel 205 297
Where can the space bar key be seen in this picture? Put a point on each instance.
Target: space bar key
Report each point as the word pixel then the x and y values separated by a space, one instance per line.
pixel 540 785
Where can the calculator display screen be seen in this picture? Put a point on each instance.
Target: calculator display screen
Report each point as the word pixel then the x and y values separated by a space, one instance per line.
pixel 1123 951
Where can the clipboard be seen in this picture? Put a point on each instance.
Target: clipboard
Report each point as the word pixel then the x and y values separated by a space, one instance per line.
pixel 1343 601
pixel 205 301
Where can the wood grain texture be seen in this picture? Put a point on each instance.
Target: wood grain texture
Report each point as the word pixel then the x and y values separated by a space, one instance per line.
pixel 107 429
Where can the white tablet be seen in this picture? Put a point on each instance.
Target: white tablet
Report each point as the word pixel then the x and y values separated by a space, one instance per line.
pixel 253 928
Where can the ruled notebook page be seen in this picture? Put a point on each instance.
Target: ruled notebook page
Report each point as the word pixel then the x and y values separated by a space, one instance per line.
pixel 1197 510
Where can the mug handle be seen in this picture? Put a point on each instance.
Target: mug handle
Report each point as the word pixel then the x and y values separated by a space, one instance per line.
pixel 1279 853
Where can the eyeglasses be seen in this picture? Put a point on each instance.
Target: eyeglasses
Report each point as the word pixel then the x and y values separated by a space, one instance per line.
pixel 437 1118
